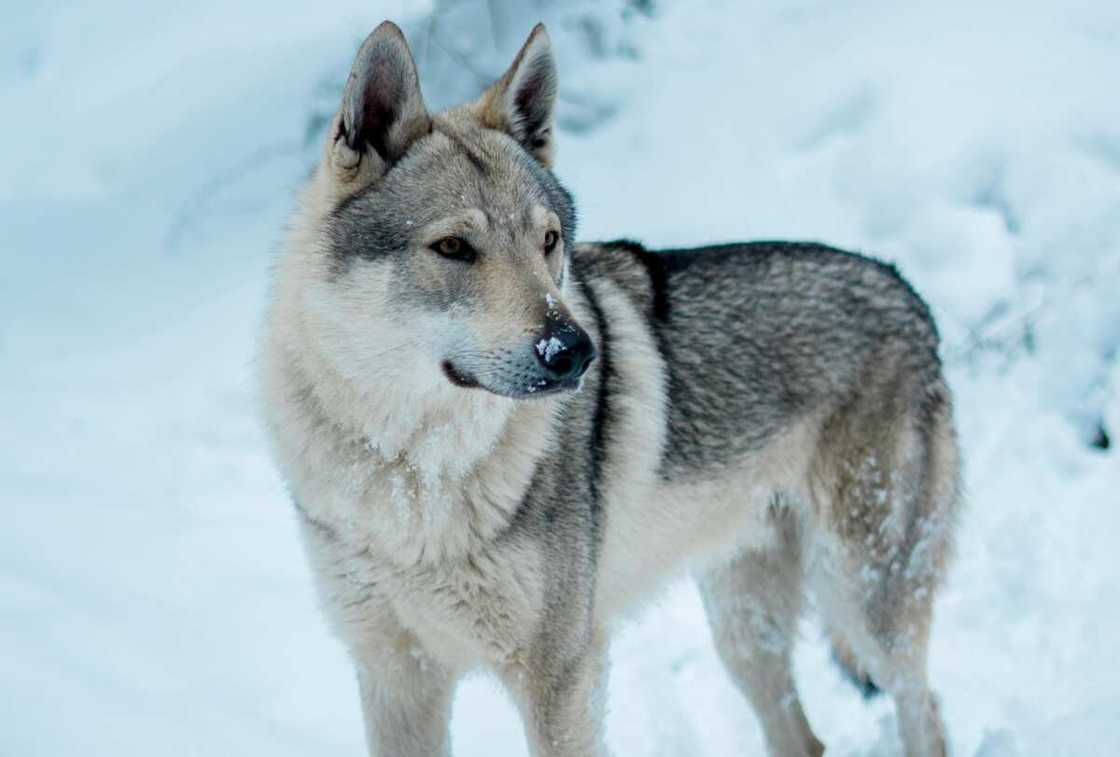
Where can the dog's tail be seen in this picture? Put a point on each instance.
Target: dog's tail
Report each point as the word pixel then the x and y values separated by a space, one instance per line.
pixel 851 667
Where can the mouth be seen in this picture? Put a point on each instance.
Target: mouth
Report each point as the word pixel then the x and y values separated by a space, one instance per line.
pixel 544 387
pixel 457 377
pixel 533 389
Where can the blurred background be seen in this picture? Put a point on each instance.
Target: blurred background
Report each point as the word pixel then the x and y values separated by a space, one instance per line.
pixel 153 594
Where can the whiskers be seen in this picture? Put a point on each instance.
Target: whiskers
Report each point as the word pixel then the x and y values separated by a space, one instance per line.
pixel 381 362
pixel 401 346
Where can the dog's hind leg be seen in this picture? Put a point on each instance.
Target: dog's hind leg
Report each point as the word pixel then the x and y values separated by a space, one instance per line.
pixel 753 604
pixel 892 488
pixel 893 654
pixel 850 665
pixel 887 633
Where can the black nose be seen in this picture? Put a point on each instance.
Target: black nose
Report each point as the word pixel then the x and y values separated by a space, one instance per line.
pixel 565 350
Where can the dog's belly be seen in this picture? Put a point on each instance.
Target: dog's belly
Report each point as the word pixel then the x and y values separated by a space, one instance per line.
pixel 678 528
pixel 657 529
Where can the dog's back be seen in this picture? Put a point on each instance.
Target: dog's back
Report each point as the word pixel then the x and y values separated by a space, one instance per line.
pixel 754 335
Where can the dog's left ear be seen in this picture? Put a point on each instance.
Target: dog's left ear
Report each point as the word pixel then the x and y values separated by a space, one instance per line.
pixel 521 103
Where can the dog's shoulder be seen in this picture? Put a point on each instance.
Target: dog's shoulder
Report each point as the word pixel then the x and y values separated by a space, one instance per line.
pixel 618 259
pixel 625 264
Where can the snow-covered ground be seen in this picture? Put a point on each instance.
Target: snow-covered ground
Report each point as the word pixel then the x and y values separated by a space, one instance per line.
pixel 153 595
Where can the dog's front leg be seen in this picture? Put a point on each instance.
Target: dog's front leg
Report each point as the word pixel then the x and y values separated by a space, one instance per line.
pixel 561 698
pixel 406 703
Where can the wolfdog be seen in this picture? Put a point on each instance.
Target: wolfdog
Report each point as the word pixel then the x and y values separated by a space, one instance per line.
pixel 497 441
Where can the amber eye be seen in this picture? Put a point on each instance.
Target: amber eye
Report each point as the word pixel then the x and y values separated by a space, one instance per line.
pixel 550 240
pixel 455 248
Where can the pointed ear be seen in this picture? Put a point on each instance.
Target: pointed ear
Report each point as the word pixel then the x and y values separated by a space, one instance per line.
pixel 382 110
pixel 521 103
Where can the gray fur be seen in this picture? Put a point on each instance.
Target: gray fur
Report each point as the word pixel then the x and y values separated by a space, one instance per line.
pixel 771 415
pixel 800 329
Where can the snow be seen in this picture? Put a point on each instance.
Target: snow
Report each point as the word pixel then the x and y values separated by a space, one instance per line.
pixel 547 348
pixel 153 594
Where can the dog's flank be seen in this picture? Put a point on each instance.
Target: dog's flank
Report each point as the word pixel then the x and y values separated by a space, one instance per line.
pixel 500 441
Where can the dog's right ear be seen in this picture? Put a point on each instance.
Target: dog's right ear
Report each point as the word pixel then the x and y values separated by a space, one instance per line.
pixel 382 110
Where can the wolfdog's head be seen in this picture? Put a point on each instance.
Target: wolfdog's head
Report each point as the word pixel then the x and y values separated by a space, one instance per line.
pixel 445 238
